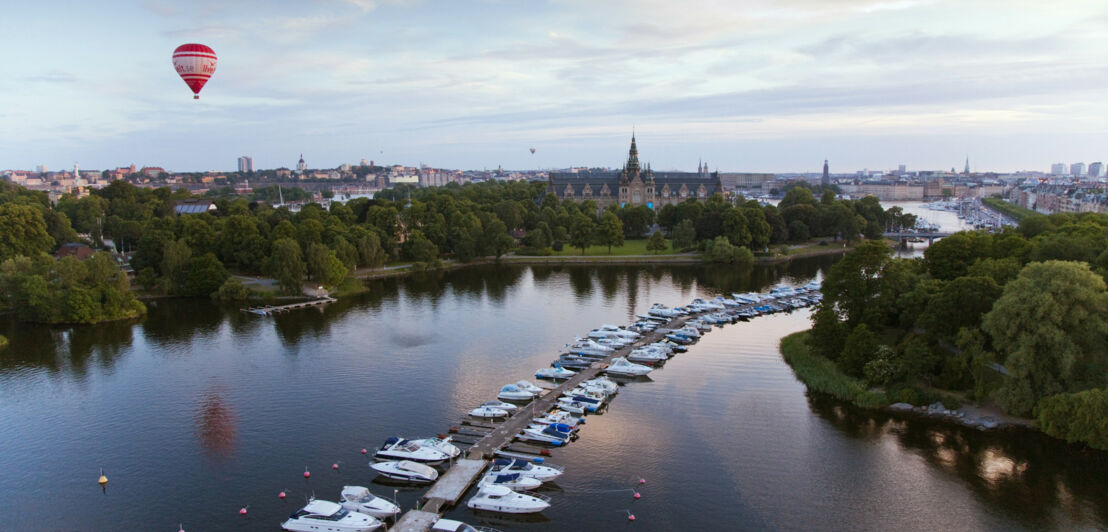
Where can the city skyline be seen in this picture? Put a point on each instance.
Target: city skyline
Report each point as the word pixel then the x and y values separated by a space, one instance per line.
pixel 768 86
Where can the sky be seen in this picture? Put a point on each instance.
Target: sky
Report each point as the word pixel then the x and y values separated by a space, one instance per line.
pixel 751 85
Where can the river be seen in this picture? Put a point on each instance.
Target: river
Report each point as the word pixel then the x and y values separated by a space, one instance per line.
pixel 197 411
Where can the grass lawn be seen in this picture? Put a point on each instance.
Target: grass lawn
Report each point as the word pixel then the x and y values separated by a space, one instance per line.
pixel 630 247
pixel 805 248
pixel 349 287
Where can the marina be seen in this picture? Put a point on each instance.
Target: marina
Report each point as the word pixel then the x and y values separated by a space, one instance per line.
pixel 269 310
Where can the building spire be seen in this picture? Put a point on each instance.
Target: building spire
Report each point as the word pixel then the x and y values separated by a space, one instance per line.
pixel 633 159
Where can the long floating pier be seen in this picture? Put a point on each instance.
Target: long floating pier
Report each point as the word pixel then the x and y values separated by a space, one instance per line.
pixel 266 310
pixel 450 487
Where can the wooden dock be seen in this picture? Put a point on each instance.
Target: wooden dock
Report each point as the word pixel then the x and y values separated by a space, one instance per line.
pixel 267 310
pixel 496 439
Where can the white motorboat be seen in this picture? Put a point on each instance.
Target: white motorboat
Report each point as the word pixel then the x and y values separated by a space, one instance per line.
pixel 400 449
pixel 504 500
pixel 608 385
pixel 689 330
pixel 663 311
pixel 543 472
pixel 359 499
pixel 558 416
pixel 490 412
pixel 500 404
pixel 528 386
pixel 611 331
pixel 511 480
pixel 441 444
pixel 647 356
pixel 555 434
pixel 587 346
pixel 556 372
pixel 571 406
pixel 406 470
pixel 729 303
pixel 620 366
pixel 582 394
pixel 327 515
pixel 512 392
pixel 450 525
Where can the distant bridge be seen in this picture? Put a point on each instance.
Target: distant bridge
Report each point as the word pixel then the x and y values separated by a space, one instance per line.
pixel 904 236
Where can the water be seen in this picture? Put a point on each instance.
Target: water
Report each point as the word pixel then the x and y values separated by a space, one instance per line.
pixel 198 411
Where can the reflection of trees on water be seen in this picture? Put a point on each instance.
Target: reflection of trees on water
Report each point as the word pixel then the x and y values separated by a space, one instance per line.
pixel 65 349
pixel 172 321
pixel 580 280
pixel 215 426
pixel 608 278
pixel 1026 473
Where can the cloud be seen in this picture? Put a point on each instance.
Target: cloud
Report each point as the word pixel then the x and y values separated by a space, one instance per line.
pixel 53 76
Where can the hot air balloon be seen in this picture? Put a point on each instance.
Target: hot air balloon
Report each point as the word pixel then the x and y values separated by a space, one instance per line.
pixel 195 63
pixel 532 151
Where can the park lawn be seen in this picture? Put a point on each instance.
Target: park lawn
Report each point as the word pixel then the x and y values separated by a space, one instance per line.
pixel 630 247
pixel 818 246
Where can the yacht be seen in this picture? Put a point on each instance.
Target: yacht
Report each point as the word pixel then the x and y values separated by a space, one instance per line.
pixel 490 412
pixel 527 386
pixel 620 366
pixel 575 407
pixel 678 338
pixel 588 347
pixel 442 444
pixel 604 383
pixel 501 499
pixel 554 434
pixel 689 330
pixel 449 525
pixel 327 515
pixel 359 499
pixel 558 372
pixel 646 356
pixel 512 392
pixel 401 449
pixel 543 472
pixel 500 404
pixel 558 416
pixel 663 312
pixel 510 480
pixel 568 362
pixel 406 470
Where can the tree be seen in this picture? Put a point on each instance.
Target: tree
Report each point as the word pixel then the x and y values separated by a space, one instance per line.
pixel 1078 417
pixel 581 232
pixel 951 257
pixel 175 261
pixel 22 231
pixel 720 250
pixel 657 242
pixel 1049 325
pixel 798 231
pixel 859 350
pixel 232 290
pixel 205 276
pixel 324 266
pixel 684 235
pixel 287 265
pixel 610 231
pixel 853 285
pixel 961 303
pixel 418 248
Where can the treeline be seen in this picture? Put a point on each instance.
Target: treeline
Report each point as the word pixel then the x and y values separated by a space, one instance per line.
pixel 1019 316
pixel 35 287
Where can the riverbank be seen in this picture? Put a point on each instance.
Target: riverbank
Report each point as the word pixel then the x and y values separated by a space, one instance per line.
pixel 820 375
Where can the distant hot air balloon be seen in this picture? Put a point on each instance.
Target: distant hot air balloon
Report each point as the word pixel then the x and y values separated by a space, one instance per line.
pixel 195 63
pixel 532 151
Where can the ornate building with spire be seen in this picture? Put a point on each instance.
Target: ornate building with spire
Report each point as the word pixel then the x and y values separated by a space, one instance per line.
pixel 633 185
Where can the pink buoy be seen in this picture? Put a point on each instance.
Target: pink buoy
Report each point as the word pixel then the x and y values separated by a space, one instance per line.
pixel 281 495
pixel 630 517
pixel 307 474
pixel 642 481
pixel 638 495
pixel 334 466
pixel 242 511
pixel 363 451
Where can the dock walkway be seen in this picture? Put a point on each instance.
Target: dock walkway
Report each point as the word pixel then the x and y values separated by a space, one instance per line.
pixel 453 484
pixel 266 310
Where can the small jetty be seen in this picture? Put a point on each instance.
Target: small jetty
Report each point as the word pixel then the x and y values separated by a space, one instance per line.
pixel 268 310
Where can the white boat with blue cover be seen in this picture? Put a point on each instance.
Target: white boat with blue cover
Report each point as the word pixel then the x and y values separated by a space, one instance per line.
pixel 646 356
pixel 512 392
pixel 555 434
pixel 571 406
pixel 557 372
pixel 543 472
pixel 326 515
pixel 501 405
pixel 505 500
pixel 406 470
pixel 441 444
pixel 529 386
pixel 511 480
pixel 359 499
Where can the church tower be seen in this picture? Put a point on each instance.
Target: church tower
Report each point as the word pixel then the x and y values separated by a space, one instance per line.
pixel 631 171
pixel 826 179
pixel 301 166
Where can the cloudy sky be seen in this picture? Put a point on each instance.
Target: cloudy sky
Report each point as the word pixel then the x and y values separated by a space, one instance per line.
pixel 751 85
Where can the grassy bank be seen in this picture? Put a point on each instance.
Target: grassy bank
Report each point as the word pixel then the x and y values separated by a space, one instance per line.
pixel 1011 210
pixel 3 342
pixel 629 247
pixel 350 287
pixel 821 375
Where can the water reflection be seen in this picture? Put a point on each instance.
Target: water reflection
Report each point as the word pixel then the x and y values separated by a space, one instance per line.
pixel 65 349
pixel 215 425
pixel 1027 474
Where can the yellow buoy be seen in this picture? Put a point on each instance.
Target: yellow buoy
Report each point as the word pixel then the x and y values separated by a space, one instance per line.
pixel 103 479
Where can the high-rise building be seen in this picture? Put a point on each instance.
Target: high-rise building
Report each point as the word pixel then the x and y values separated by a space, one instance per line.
pixel 1077 170
pixel 246 164
pixel 901 169
pixel 966 171
pixel 1096 169
pixel 41 169
pixel 1058 169
pixel 826 178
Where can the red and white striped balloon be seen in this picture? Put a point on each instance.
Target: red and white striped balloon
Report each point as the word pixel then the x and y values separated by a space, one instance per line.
pixel 195 63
